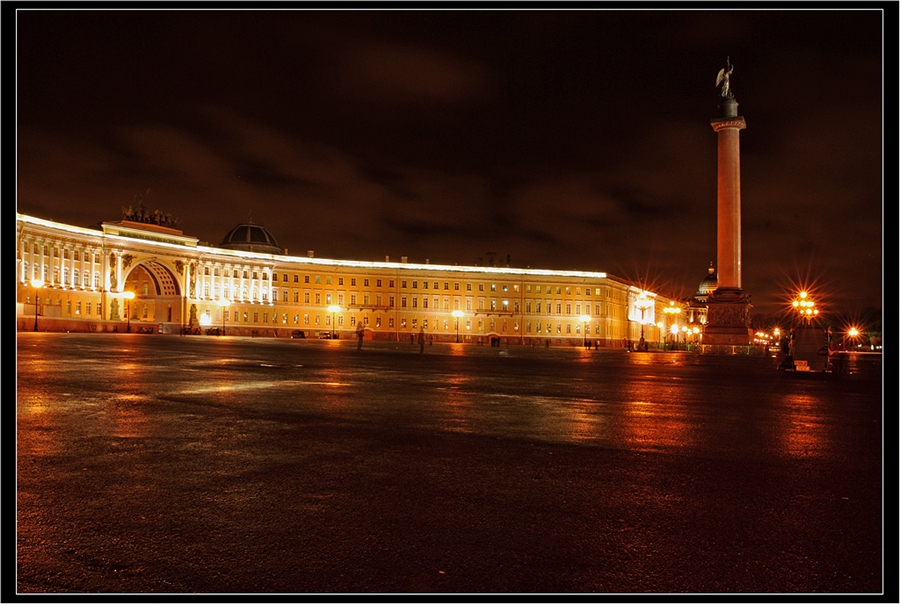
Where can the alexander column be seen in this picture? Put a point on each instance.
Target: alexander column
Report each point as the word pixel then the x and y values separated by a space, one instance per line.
pixel 728 318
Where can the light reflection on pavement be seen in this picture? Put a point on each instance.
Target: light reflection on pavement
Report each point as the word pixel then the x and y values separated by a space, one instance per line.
pixel 198 464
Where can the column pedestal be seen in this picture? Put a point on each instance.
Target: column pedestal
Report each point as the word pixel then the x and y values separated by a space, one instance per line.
pixel 728 318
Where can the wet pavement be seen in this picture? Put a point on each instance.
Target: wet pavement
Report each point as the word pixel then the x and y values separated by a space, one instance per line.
pixel 174 464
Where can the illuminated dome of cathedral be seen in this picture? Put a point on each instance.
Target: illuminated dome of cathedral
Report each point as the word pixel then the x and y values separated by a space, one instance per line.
pixel 249 237
pixel 708 285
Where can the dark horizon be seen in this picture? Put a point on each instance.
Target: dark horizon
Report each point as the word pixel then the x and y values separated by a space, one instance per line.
pixel 564 139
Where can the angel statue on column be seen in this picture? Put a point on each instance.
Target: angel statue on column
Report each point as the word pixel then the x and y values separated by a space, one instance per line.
pixel 724 78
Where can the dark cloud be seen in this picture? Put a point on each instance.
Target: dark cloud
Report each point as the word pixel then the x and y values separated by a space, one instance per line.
pixel 572 139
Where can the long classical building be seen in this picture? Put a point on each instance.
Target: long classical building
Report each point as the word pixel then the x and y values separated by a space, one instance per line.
pixel 141 274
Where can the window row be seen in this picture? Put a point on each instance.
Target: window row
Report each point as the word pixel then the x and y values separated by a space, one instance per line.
pixel 404 283
pixel 65 253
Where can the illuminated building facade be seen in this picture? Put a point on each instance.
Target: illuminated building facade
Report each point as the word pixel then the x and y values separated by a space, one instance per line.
pixel 248 287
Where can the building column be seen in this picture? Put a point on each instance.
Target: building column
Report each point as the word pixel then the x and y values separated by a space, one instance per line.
pixel 70 261
pixel 92 268
pixel 81 253
pixel 104 268
pixel 39 273
pixel 26 246
pixel 58 276
pixel 120 283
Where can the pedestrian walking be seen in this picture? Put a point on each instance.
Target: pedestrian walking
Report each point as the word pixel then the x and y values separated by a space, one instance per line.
pixel 360 333
pixel 421 339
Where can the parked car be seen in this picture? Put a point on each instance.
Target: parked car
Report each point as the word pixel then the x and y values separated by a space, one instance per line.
pixel 297 333
pixel 324 335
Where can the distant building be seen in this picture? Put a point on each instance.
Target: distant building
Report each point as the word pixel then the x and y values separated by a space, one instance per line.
pixel 696 307
pixel 249 286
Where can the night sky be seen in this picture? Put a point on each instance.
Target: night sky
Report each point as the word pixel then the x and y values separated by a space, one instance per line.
pixel 565 139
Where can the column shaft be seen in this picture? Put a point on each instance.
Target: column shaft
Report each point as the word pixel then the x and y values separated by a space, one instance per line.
pixel 728 249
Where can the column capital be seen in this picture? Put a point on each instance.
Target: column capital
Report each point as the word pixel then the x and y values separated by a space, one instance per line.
pixel 723 123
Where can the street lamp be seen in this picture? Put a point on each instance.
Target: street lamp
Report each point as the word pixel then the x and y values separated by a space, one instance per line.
pixel 224 304
pixel 854 336
pixel 804 305
pixel 129 296
pixel 643 303
pixel 585 319
pixel 36 284
pixel 333 309
pixel 457 314
pixel 672 311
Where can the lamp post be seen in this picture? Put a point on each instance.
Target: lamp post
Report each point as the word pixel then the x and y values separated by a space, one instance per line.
pixel 457 314
pixel 804 305
pixel 36 284
pixel 224 304
pixel 129 296
pixel 643 303
pixel 585 319
pixel 333 309
pixel 853 334
pixel 672 311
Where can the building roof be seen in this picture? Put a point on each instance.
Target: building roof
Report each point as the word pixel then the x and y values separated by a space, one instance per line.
pixel 251 237
pixel 708 285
